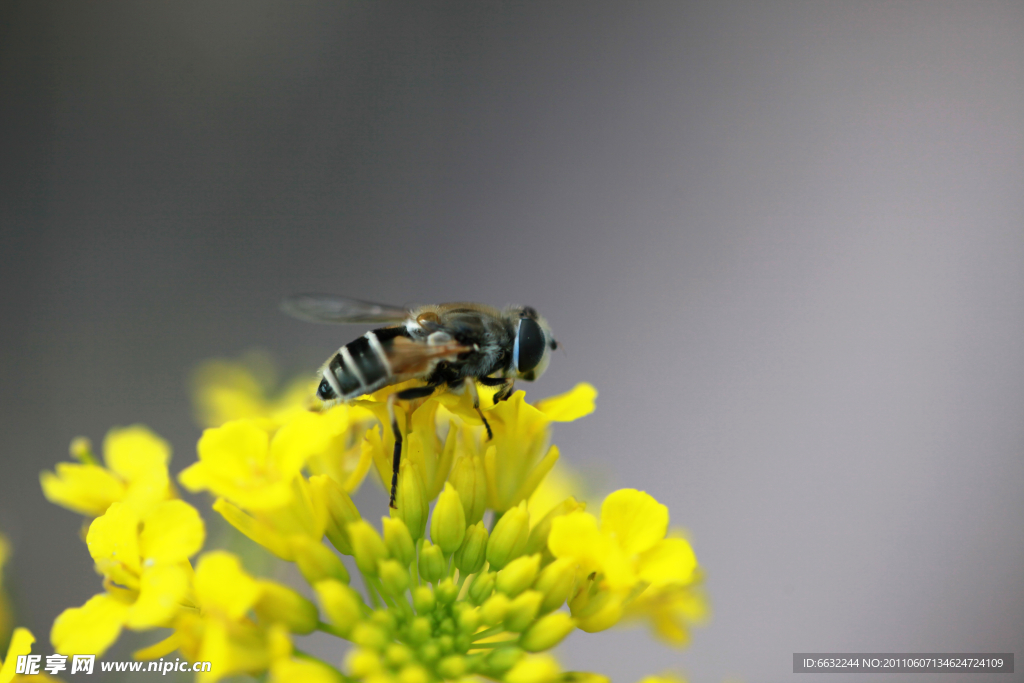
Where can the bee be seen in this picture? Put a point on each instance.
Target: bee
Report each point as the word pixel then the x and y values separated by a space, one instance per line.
pixel 447 346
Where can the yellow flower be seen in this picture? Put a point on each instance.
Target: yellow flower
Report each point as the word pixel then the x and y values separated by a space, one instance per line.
pixel 221 630
pixel 135 473
pixel 21 644
pixel 145 565
pixel 224 390
pixel 621 557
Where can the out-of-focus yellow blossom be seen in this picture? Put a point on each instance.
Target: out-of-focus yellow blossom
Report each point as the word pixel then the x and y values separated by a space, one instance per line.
pixel 135 473
pixel 144 562
pixel 221 628
pixel 21 644
pixel 663 678
pixel 622 557
pixel 226 390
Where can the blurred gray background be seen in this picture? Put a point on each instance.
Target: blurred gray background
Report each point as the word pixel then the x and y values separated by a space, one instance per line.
pixel 784 240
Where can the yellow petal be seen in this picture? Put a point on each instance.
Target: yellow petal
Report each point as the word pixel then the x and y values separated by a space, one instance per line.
pixel 223 585
pixel 231 452
pixel 172 532
pixel 534 669
pixel 85 489
pixel 135 451
pixel 571 405
pixel 669 561
pixel 89 629
pixel 575 536
pixel 21 644
pixel 113 542
pixel 161 590
pixel 304 436
pixel 634 519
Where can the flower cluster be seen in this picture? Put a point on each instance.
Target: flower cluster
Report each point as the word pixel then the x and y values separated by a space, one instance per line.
pixel 478 572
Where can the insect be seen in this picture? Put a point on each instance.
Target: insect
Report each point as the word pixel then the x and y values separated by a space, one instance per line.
pixel 447 346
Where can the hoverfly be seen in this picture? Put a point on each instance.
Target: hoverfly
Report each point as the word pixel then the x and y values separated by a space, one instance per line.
pixel 447 346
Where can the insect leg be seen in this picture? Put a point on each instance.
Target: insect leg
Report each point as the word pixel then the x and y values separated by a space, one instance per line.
pixel 397 459
pixel 492 381
pixel 506 391
pixel 416 392
pixel 471 386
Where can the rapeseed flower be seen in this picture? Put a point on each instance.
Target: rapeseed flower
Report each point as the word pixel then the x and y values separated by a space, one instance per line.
pixel 488 562
pixel 135 473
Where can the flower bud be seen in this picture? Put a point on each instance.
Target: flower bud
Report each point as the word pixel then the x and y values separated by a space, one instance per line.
pixel 394 577
pixel 494 609
pixel 534 669
pixel 508 540
pixel 504 658
pixel 472 554
pixel 81 450
pixel 367 546
pixel 412 501
pixel 523 610
pixel 481 587
pixel 432 565
pixel 317 562
pixel 340 510
pixel 342 605
pixel 423 600
pixel 448 524
pixel 468 620
pixel 447 591
pixel 470 480
pixel 413 673
pixel 555 581
pixel 363 663
pixel 517 575
pixel 280 604
pixel 547 632
pixel 538 541
pixel 397 654
pixel 596 612
pixel 398 540
pixel 420 629
pixel 370 636
pixel 452 666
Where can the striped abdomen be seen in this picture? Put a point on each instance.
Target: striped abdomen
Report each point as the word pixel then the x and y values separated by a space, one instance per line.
pixel 359 367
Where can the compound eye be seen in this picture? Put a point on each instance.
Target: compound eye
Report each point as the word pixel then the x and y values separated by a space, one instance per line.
pixel 325 392
pixel 529 346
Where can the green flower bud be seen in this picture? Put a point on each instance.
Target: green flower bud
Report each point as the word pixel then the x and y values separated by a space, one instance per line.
pixel 508 540
pixel 547 632
pixel 494 609
pixel 447 626
pixel 342 605
pixel 363 663
pixel 523 610
pixel 472 554
pixel 423 600
pixel 452 666
pixel 446 644
pixel 448 524
pixel 481 587
pixel 367 546
pixel 279 604
pixel 538 540
pixel 555 582
pixel 394 577
pixel 518 575
pixel 429 652
pixel 470 480
pixel 504 658
pixel 412 501
pixel 432 565
pixel 385 619
pixel 420 630
pixel 447 591
pixel 317 562
pixel 413 673
pixel 340 510
pixel 397 654
pixel 468 620
pixel 370 636
pixel 398 540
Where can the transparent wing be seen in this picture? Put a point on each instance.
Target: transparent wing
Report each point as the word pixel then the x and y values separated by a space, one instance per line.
pixel 324 308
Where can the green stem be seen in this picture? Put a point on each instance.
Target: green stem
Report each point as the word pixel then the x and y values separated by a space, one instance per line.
pixel 494 630
pixel 327 628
